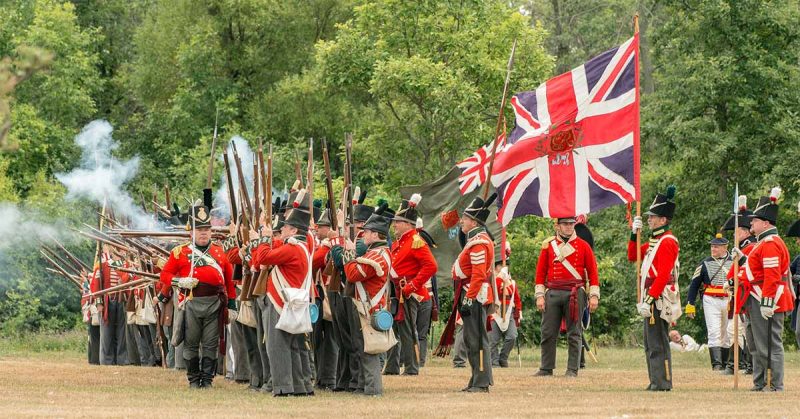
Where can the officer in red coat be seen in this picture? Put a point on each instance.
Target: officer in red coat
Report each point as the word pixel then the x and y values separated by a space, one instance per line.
pixel 475 292
pixel 659 287
pixel 202 272
pixel 413 266
pixel 565 263
pixel 771 295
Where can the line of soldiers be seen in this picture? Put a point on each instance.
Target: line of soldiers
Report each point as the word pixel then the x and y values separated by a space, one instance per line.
pixel 337 314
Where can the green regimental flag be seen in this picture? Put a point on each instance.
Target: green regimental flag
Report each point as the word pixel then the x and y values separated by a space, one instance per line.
pixel 441 206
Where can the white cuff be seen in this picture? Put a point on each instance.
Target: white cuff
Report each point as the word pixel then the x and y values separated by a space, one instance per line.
pixel 539 290
pixel 594 291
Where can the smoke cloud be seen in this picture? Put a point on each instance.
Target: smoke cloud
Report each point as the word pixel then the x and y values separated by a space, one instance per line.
pixel 101 176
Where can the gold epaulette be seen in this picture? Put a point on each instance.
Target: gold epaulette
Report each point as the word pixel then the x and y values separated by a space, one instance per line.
pixel 417 242
pixel 547 241
pixel 176 252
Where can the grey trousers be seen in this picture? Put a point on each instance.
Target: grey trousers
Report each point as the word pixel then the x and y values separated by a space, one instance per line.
pixel 241 364
pixel 93 349
pixel 348 365
pixel 131 345
pixel 369 374
pixel 767 338
pixel 262 309
pixel 113 349
pixel 476 339
pixel 657 352
pixel 504 340
pixel 144 345
pixel 202 327
pixel 284 357
pixel 459 349
pixel 177 351
pixel 423 327
pixel 170 349
pixel 307 362
pixel 326 353
pixel 405 351
pixel 556 308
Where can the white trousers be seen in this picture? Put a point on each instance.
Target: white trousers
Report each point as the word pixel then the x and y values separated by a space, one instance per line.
pixel 742 327
pixel 716 313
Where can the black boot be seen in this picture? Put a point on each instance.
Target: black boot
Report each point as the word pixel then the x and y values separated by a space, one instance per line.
pixel 727 361
pixel 193 372
pixel 716 358
pixel 209 368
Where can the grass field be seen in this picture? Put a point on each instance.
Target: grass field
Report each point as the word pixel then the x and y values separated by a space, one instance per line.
pixel 62 384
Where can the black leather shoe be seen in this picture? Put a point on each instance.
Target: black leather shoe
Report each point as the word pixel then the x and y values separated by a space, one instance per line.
pixel 477 390
pixel 543 373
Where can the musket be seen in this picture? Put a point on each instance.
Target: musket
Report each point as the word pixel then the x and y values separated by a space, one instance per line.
pixel 262 174
pixel 70 255
pixel 157 208
pixel 103 234
pixel 61 260
pixel 242 187
pixel 122 287
pixel 71 279
pixel 110 220
pixel 268 189
pixel 231 193
pixel 167 195
pixel 138 273
pixel 329 186
pixel 104 241
pixel 61 270
pixel 310 182
pixel 256 191
pixel 298 174
pixel 210 177
pixel 348 167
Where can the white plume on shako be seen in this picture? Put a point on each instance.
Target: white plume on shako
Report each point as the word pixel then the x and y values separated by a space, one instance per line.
pixel 101 176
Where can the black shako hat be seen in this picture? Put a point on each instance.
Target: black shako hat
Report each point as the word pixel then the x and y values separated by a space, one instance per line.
pixel 478 209
pixel 408 209
pixel 664 204
pixel 767 208
pixel 380 220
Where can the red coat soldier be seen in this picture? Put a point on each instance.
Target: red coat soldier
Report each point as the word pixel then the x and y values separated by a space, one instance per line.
pixel 565 263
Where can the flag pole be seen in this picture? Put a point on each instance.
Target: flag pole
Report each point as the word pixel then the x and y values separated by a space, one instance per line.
pixel 736 204
pixel 500 120
pixel 636 173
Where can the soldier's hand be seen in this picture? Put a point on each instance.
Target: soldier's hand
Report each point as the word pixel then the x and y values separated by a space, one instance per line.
pixel 232 228
pixel 99 307
pixel 637 224
pixel 593 303
pixel 340 217
pixel 540 303
pixel 348 245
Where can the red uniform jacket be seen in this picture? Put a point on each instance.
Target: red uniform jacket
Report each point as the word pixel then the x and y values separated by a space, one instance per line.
pixel 767 268
pixel 413 262
pixel 552 273
pixel 744 283
pixel 474 266
pixel 110 276
pixel 179 265
pixel 290 263
pixel 319 260
pixel 660 272
pixel 511 294
pixel 372 271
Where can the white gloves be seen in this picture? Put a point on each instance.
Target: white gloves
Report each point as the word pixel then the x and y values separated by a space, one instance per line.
pixel 636 226
pixel 187 283
pixel 644 310
pixel 504 275
pixel 767 307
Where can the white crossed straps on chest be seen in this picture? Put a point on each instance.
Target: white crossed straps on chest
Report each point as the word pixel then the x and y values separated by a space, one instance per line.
pixel 565 262
pixel 280 280
pixel 206 258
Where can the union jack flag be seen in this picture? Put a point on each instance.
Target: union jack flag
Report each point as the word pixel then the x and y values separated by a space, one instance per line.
pixel 475 168
pixel 575 146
